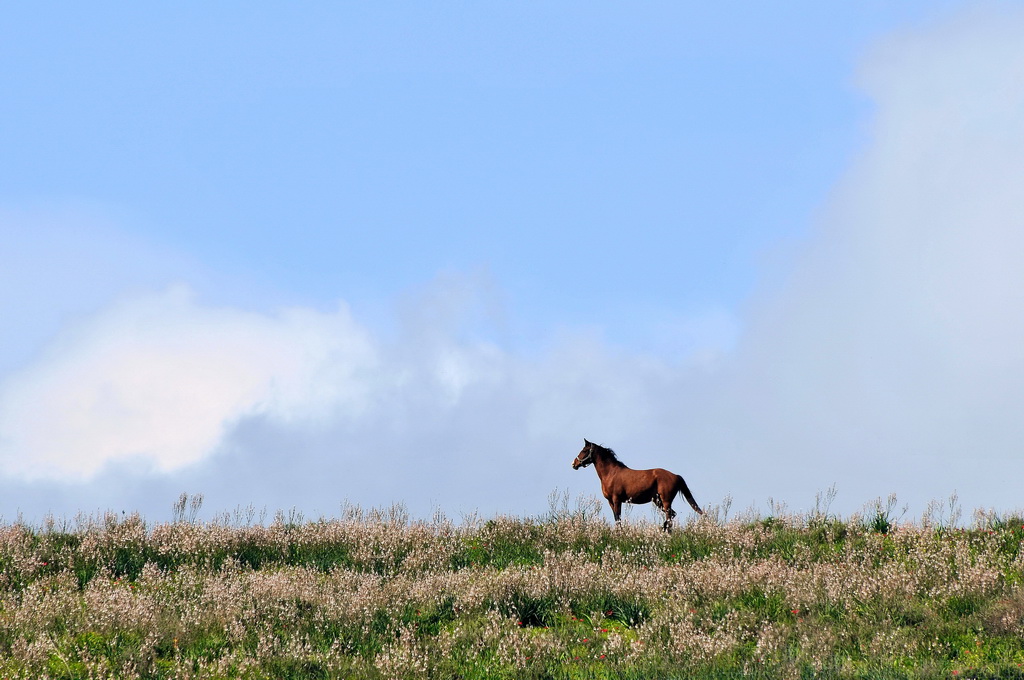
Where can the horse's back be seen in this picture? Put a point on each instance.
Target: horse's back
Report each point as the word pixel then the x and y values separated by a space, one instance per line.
pixel 662 474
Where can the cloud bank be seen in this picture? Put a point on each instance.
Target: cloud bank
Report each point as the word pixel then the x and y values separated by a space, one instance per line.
pixel 161 380
pixel 897 345
pixel 889 358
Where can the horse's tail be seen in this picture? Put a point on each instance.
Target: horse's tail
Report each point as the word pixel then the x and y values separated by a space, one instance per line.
pixel 681 486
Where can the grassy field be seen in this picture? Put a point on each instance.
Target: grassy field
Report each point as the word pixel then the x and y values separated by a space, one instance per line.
pixel 373 594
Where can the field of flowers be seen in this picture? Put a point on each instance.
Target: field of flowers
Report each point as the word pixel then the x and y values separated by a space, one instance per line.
pixel 373 594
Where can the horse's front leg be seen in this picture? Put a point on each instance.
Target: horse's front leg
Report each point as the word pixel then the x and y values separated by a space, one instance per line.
pixel 616 505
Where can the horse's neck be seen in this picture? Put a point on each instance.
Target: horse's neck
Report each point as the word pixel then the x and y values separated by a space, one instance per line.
pixel 606 465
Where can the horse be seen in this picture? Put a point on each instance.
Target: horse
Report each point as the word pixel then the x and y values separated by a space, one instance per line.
pixel 621 484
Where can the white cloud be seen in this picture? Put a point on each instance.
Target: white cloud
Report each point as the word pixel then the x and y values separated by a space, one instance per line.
pixel 895 353
pixel 159 383
pixel 60 263
pixel 161 379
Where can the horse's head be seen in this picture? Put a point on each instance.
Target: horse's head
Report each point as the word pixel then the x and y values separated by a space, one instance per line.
pixel 584 457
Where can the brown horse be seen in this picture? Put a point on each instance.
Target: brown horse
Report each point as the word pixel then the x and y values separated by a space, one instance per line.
pixel 621 484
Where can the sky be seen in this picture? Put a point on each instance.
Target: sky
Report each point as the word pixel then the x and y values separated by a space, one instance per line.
pixel 293 258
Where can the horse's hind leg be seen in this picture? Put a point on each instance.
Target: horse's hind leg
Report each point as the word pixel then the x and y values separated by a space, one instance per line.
pixel 669 516
pixel 666 508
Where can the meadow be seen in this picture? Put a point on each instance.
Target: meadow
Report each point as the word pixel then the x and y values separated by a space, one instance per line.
pixel 376 594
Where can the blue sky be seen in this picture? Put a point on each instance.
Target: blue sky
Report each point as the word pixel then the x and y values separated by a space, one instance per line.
pixel 408 253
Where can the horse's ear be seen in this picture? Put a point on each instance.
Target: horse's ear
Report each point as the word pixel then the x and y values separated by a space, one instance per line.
pixel 585 442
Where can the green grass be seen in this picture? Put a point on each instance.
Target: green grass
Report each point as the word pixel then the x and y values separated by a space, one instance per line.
pixel 566 596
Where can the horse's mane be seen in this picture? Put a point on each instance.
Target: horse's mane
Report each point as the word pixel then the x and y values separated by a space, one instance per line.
pixel 608 454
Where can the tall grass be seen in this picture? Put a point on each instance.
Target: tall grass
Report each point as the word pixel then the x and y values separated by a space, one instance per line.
pixel 375 594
